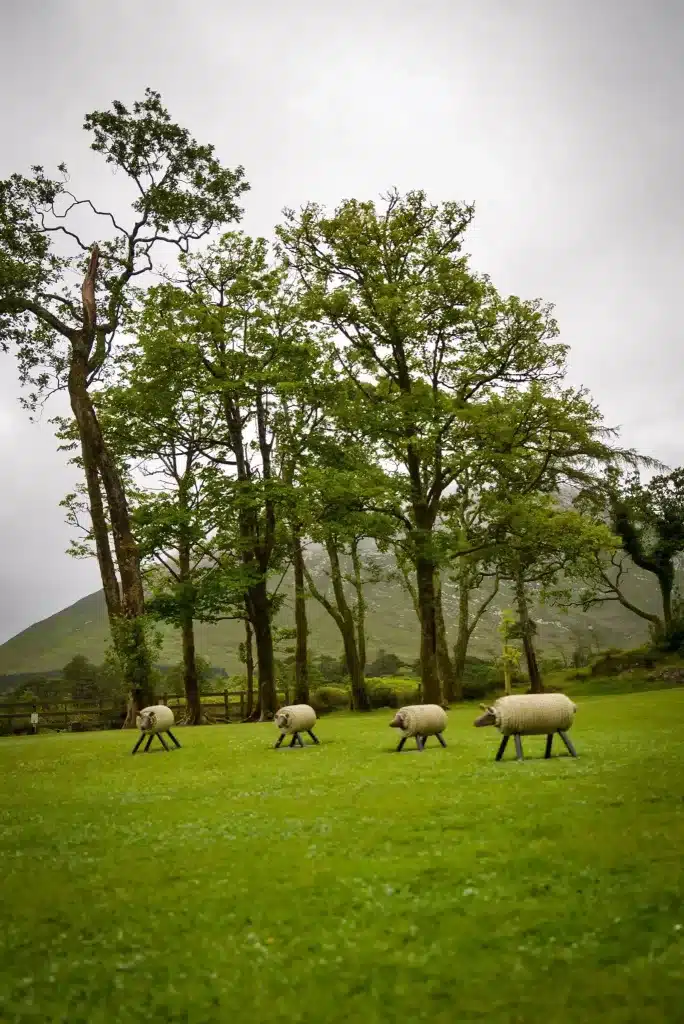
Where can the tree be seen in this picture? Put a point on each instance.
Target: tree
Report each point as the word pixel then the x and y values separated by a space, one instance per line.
pixel 542 545
pixel 155 421
pixel 65 340
pixel 237 313
pixel 81 678
pixel 423 338
pixel 385 664
pixel 649 522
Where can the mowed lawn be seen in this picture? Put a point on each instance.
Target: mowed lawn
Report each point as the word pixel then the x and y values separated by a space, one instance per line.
pixel 228 881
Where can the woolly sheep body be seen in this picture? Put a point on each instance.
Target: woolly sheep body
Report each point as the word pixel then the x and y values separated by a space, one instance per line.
pixel 157 718
pixel 295 718
pixel 533 714
pixel 423 719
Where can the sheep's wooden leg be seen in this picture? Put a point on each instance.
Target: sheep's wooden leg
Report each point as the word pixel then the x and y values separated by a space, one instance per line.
pixel 169 733
pixel 502 747
pixel 568 743
pixel 518 747
pixel 549 741
pixel 149 742
pixel 441 739
pixel 314 738
pixel 300 741
pixel 420 742
pixel 293 741
pixel 402 741
pixel 162 741
pixel 280 739
pixel 140 739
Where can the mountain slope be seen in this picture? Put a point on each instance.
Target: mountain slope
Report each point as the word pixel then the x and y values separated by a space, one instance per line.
pixel 82 628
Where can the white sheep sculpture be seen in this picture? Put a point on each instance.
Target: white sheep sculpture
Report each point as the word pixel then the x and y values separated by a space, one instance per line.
pixel 293 720
pixel 530 714
pixel 154 721
pixel 421 721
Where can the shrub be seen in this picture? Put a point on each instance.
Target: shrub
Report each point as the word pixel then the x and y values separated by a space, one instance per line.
pixel 330 698
pixel 391 692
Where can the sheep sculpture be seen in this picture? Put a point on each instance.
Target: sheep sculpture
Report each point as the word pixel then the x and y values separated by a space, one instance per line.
pixel 293 720
pixel 530 714
pixel 421 721
pixel 154 721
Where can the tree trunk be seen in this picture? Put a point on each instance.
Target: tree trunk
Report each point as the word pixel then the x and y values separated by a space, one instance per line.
pixel 536 685
pixel 666 585
pixel 190 679
pixel 462 637
pixel 444 665
pixel 128 631
pixel 249 664
pixel 360 604
pixel 301 625
pixel 345 621
pixel 260 616
pixel 431 692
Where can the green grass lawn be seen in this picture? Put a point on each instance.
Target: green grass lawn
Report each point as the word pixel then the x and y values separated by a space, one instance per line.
pixel 228 881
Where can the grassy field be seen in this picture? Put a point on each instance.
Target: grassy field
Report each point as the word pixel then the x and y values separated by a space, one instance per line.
pixel 231 882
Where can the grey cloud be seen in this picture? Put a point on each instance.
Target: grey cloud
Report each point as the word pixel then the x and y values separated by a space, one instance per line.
pixel 561 120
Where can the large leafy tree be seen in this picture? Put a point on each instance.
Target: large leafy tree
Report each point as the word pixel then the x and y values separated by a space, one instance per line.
pixel 423 338
pixel 649 522
pixel 62 334
pixel 236 314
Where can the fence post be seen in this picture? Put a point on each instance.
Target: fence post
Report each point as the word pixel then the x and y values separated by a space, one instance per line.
pixel 225 703
pixel 66 715
pixel 165 699
pixel 242 704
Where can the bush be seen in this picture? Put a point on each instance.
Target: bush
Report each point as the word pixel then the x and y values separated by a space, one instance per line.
pixel 391 692
pixel 330 698
pixel 477 688
pixel 614 661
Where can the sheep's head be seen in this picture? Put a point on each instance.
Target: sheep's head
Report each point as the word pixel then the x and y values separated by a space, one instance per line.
pixel 489 717
pixel 147 721
pixel 399 721
pixel 282 719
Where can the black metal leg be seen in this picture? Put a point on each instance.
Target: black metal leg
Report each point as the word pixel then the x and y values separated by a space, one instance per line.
pixel 293 741
pixel 169 733
pixel 568 743
pixel 549 742
pixel 402 741
pixel 149 742
pixel 502 747
pixel 140 739
pixel 280 739
pixel 441 739
pixel 314 738
pixel 420 742
pixel 518 747
pixel 162 741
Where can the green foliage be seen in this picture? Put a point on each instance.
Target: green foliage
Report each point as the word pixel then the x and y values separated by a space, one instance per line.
pixel 384 664
pixel 172 679
pixel 182 194
pixel 389 692
pixel 330 698
pixel 589 865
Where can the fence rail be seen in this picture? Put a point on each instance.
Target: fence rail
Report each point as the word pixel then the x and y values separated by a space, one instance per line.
pixel 222 706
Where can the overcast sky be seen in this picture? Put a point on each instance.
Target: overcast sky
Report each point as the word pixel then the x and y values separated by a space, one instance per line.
pixel 561 119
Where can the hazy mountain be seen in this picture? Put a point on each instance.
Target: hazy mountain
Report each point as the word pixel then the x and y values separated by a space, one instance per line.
pixel 82 628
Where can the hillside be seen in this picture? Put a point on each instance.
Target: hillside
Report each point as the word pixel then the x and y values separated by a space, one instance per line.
pixel 82 627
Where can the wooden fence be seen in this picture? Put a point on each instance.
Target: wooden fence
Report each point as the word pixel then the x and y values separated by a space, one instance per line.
pixel 77 715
